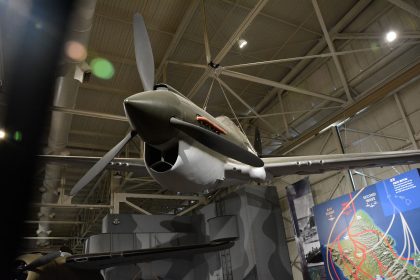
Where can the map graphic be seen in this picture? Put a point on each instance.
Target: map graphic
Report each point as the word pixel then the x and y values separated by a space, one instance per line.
pixel 373 233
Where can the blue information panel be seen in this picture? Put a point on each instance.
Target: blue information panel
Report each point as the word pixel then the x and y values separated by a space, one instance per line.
pixel 373 233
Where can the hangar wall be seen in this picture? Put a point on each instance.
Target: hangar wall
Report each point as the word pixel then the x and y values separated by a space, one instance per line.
pixel 362 69
pixel 380 128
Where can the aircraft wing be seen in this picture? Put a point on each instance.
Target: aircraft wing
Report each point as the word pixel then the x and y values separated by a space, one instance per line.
pixel 105 260
pixel 278 166
pixel 135 165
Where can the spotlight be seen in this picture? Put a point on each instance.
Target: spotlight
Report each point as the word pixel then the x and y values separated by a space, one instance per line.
pixel 242 43
pixel 2 134
pixel 391 36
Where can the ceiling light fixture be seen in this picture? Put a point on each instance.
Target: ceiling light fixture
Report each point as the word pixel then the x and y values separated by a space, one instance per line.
pixel 2 134
pixel 391 36
pixel 242 43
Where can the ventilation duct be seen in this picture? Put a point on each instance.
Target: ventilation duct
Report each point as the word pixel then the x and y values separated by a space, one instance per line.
pixel 67 86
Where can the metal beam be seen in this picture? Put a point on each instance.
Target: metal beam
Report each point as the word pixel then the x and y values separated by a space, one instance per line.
pixel 135 207
pixel 54 222
pixel 103 89
pixel 403 79
pixel 111 57
pixel 367 176
pixel 319 47
pixel 369 36
pixel 232 40
pixel 332 50
pixel 84 113
pixel 327 139
pixel 298 58
pixel 90 147
pixel 186 19
pixel 231 91
pixel 377 67
pixel 290 112
pixel 279 85
pixel 95 134
pixel 295 263
pixel 277 19
pixel 87 223
pixel 340 148
pixel 159 196
pixel 201 66
pixel 406 121
pixel 85 229
pixel 52 237
pixel 185 211
pixel 375 134
pixel 336 186
pixel 286 126
pixel 106 13
pixel 298 145
pixel 406 7
pixel 240 30
pixel 58 205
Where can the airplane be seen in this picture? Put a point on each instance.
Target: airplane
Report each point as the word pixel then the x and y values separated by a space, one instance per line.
pixel 187 150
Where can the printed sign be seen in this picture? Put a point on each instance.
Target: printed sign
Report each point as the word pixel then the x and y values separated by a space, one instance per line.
pixel 373 233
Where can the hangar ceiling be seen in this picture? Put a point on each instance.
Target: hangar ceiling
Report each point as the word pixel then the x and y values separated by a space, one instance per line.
pixel 323 62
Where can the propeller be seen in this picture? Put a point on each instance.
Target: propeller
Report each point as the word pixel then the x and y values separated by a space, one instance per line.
pixel 146 68
pixel 217 143
pixel 144 54
pixel 206 38
pixel 43 260
pixel 101 164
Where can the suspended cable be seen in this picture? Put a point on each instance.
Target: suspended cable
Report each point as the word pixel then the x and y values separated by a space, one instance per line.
pixel 231 108
pixel 208 96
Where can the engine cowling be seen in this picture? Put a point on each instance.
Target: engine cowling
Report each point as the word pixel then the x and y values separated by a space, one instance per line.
pixel 188 167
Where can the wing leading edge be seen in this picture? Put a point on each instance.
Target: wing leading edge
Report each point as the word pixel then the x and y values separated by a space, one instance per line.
pixel 135 165
pixel 278 166
pixel 105 260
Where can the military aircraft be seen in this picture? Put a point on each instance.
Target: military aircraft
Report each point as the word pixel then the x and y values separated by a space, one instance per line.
pixel 189 150
pixel 186 150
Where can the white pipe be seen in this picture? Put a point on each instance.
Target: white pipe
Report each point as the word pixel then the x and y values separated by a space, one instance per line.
pixel 65 96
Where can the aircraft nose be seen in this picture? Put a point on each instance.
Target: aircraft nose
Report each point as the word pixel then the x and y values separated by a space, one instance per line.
pixel 149 114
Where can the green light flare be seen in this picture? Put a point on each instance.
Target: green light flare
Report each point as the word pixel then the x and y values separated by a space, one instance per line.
pixel 102 68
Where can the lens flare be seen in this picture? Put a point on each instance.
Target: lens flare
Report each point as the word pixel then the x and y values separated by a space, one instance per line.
pixel 102 68
pixel 75 51
pixel 17 136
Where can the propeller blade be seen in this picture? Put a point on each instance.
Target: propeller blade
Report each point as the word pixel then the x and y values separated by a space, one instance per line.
pixel 101 164
pixel 144 54
pixel 43 260
pixel 206 38
pixel 217 143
